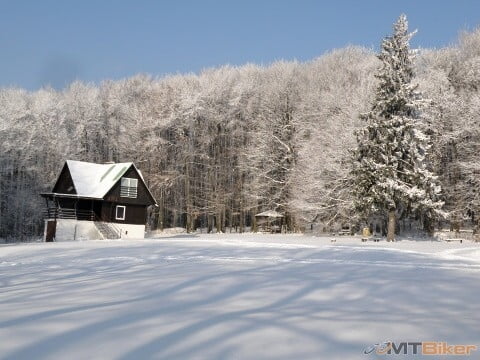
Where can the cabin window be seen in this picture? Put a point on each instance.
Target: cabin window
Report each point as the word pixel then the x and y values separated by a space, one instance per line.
pixel 128 187
pixel 120 212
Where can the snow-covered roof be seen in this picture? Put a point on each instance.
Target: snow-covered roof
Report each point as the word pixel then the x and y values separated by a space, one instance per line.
pixel 270 213
pixel 95 180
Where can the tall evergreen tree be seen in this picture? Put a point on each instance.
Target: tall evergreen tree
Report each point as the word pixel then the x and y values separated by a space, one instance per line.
pixel 390 172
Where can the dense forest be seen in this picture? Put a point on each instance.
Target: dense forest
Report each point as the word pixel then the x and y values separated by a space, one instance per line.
pixel 220 146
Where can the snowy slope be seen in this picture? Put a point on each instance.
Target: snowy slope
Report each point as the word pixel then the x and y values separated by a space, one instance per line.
pixel 233 297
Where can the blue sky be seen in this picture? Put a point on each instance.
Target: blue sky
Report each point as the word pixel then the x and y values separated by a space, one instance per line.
pixel 52 42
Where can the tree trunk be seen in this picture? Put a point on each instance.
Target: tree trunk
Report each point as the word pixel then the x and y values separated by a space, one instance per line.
pixel 242 219
pixel 218 222
pixel 254 223
pixel 391 225
pixel 188 197
pixel 222 219
pixel 209 223
pixel 428 226
pixel 174 218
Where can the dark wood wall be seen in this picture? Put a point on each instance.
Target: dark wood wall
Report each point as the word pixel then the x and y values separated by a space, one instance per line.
pixel 143 196
pixel 134 214
pixel 64 184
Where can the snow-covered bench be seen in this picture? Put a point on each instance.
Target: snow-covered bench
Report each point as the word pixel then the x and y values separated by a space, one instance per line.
pixel 374 239
pixel 450 240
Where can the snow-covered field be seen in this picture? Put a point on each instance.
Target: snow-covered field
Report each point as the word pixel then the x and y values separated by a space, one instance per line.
pixel 234 297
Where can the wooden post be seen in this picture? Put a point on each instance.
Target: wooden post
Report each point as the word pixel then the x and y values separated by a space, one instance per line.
pixel 161 210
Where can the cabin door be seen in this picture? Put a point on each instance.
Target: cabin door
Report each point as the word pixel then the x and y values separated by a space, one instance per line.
pixel 51 229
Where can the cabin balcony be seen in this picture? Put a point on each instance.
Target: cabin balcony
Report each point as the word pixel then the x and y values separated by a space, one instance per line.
pixel 73 224
pixel 60 206
pixel 73 214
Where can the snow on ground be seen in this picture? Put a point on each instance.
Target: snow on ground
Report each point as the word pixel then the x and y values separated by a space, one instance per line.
pixel 234 297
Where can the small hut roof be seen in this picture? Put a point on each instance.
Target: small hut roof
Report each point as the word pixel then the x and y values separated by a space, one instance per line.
pixel 270 213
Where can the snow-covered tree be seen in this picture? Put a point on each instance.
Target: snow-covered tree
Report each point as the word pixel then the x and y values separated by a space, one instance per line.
pixel 390 169
pixel 337 87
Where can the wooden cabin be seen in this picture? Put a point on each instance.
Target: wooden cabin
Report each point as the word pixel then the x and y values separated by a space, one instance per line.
pixel 97 201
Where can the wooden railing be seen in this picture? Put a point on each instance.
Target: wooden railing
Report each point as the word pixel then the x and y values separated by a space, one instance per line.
pixel 63 213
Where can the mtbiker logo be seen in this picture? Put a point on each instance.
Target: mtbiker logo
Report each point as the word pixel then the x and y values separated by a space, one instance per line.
pixel 419 348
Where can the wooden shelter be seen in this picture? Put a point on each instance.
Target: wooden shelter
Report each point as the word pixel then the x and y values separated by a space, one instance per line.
pixel 269 221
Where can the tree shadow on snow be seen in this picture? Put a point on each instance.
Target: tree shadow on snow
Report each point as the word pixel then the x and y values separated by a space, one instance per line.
pixel 181 302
